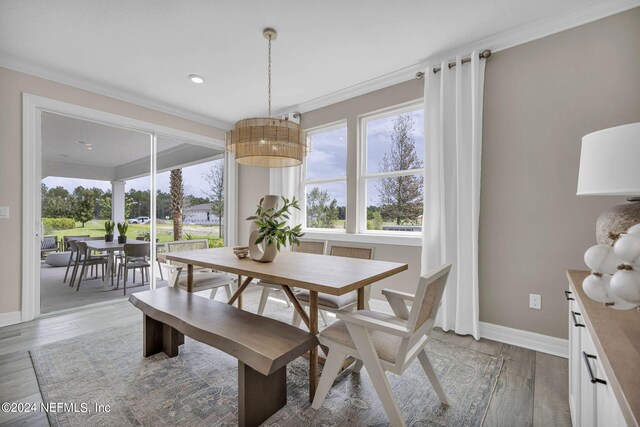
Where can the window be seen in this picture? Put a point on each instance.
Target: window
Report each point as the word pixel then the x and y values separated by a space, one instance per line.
pixel 392 170
pixel 325 178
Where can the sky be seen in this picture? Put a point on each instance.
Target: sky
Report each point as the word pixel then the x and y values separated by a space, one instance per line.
pixel 194 183
pixel 328 157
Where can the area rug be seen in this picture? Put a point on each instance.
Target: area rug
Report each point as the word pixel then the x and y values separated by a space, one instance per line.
pixel 199 386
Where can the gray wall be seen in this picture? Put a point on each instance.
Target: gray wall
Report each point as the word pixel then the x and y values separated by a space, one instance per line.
pixel 540 99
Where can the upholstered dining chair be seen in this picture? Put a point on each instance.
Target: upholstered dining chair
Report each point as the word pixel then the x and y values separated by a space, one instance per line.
pixel 306 246
pixel 203 278
pixel 386 343
pixel 333 303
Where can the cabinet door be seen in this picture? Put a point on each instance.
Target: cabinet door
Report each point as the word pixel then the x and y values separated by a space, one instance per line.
pixel 588 417
pixel 575 360
pixel 607 408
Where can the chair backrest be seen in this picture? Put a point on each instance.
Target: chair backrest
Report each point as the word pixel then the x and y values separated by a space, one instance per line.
pixel 352 251
pixel 311 247
pixel 80 246
pixel 186 245
pixel 136 250
pixel 427 299
pixel 49 242
pixel 66 239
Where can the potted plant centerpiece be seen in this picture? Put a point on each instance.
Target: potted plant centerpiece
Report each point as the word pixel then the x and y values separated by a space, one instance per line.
pixel 270 231
pixel 108 231
pixel 122 230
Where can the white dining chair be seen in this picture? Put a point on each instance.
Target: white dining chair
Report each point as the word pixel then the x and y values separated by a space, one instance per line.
pixel 386 342
pixel 306 246
pixel 334 303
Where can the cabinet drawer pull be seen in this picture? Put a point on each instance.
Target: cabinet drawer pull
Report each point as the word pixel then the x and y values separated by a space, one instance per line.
pixel 594 380
pixel 566 294
pixel 575 320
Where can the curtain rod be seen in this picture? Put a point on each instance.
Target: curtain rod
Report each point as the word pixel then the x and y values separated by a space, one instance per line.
pixel 483 55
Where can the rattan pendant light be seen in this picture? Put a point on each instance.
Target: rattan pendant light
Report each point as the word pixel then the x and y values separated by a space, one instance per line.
pixel 268 142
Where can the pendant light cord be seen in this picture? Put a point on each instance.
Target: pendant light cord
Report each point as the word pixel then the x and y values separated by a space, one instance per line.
pixel 269 76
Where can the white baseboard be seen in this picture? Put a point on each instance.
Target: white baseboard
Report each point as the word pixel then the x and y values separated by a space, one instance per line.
pixel 504 334
pixel 10 318
pixel 531 340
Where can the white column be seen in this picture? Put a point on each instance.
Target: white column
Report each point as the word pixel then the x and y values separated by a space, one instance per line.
pixel 117 201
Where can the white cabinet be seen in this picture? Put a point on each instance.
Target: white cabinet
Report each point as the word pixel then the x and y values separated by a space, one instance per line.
pixel 591 398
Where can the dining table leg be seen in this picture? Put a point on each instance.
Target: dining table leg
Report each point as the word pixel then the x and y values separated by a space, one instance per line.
pixel 313 353
pixel 239 291
pixel 361 298
pixel 110 266
pixel 239 296
pixel 189 278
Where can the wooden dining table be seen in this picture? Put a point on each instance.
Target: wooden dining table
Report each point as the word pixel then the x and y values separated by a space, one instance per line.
pixel 111 248
pixel 317 273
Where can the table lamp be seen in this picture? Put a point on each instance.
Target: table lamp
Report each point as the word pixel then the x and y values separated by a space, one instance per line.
pixel 610 166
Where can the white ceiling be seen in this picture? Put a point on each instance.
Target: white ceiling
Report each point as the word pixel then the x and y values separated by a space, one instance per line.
pixel 147 48
pixel 116 153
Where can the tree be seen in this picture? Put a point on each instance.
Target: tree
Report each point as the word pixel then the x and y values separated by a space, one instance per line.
pixel 176 188
pixel 84 205
pixel 57 202
pixel 401 196
pixel 322 212
pixel 105 207
pixel 215 178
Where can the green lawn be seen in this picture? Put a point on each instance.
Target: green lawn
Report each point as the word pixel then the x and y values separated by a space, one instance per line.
pixel 95 228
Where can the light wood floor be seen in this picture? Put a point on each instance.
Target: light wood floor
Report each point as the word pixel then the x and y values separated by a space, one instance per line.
pixel 531 389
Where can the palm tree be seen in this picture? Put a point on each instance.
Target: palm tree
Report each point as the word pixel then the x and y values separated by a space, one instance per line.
pixel 177 202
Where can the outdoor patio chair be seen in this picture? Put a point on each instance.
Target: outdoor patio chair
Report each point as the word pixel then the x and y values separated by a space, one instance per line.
pixel 135 256
pixel 386 343
pixel 306 246
pixel 65 240
pixel 87 260
pixel 333 303
pixel 48 244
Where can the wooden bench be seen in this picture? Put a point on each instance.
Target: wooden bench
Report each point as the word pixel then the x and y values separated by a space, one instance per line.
pixel 262 346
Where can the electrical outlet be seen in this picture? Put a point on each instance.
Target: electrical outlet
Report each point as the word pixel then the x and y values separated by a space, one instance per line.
pixel 4 212
pixel 535 301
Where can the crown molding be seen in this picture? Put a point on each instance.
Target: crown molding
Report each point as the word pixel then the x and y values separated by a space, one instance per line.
pixel 510 38
pixel 48 73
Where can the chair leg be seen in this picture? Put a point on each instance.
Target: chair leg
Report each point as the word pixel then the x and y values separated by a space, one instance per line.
pixel 331 369
pixel 367 352
pixel 80 278
pixel 431 374
pixel 357 366
pixel 264 297
pixel 296 320
pixel 325 319
pixel 68 267
pixel 160 269
pixel 227 289
pixel 286 299
pixel 126 276
pixel 213 293
pixel 119 272
pixel 74 274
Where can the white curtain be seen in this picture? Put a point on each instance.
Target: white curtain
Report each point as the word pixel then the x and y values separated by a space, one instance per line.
pixel 453 148
pixel 286 182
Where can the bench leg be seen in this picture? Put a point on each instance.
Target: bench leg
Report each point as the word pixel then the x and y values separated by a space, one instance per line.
pixel 159 337
pixel 259 396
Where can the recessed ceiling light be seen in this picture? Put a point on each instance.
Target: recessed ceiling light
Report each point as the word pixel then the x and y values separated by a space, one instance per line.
pixel 196 78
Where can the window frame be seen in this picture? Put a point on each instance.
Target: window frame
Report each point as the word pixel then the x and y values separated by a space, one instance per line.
pixel 364 176
pixel 330 180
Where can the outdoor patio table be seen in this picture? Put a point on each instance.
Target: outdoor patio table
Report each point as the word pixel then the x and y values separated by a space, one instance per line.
pixel 318 273
pixel 110 248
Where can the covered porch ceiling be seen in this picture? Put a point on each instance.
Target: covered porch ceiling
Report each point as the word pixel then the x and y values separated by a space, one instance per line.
pixel 76 148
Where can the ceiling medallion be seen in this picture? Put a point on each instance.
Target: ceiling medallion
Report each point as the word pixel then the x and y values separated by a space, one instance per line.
pixel 265 141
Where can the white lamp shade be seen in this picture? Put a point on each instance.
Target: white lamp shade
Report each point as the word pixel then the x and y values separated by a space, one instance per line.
pixel 609 162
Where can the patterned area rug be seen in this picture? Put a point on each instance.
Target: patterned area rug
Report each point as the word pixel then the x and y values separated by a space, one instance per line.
pixel 199 387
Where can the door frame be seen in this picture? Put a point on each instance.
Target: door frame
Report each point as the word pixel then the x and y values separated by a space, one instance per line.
pixel 32 108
